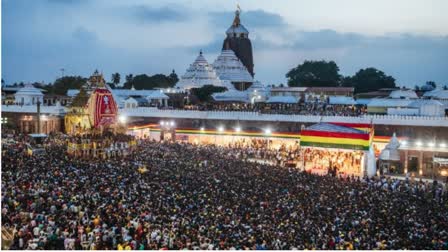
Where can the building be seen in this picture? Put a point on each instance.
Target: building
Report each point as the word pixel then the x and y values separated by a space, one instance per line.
pixel 237 40
pixel 228 67
pixel 154 98
pixel 313 94
pixel 28 95
pixel 200 73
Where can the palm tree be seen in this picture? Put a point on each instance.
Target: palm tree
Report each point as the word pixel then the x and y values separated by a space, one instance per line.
pixel 116 78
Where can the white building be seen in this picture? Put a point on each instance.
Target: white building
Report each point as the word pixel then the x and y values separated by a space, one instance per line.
pixel 403 94
pixel 28 95
pixel 200 73
pixel 228 67
pixel 153 97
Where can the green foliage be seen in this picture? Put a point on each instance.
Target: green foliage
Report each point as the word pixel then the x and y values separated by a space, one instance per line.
pixel 431 83
pixel 80 99
pixel 173 77
pixel 314 74
pixel 65 83
pixel 204 93
pixel 369 79
pixel 129 77
pixel 116 79
pixel 144 81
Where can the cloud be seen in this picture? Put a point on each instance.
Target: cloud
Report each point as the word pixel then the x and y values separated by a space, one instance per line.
pixel 40 37
pixel 148 14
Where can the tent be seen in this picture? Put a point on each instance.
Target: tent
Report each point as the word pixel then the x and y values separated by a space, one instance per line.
pixel 346 136
pixel 329 135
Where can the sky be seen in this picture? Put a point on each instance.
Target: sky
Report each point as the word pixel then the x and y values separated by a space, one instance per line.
pixel 407 39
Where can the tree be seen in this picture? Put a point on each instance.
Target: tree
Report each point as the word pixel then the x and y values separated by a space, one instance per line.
pixel 61 85
pixel 416 88
pixel 204 93
pixel 116 79
pixel 129 78
pixel 445 87
pixel 173 77
pixel 3 82
pixel 431 83
pixel 369 79
pixel 143 81
pixel 314 74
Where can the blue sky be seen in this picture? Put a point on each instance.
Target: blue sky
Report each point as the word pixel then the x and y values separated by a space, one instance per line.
pixel 406 39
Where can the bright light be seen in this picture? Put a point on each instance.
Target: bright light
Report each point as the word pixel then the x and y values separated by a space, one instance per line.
pixel 237 129
pixel 443 173
pixel 267 131
pixel 221 129
pixel 122 119
pixel 404 143
pixel 419 143
pixel 442 145
pixel 172 123
pixel 202 129
pixel 431 144
pixel 259 97
pixel 162 123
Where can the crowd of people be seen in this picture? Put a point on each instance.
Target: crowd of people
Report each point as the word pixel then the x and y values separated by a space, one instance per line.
pixel 102 145
pixel 321 109
pixel 206 197
pixel 332 161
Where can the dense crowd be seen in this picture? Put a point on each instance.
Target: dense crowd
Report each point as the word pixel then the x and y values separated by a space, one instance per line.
pixel 322 109
pixel 203 197
pixel 342 162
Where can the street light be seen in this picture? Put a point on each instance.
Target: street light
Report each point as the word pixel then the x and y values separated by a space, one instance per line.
pixel 431 144
pixel 172 123
pixel 202 129
pixel 162 123
pixel 122 119
pixel 442 145
pixel 237 129
pixel 418 143
pixel 267 131
pixel 404 143
pixel 221 129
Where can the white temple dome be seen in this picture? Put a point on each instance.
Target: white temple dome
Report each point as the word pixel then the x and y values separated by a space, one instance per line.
pixel 229 67
pixel 390 152
pixel 199 74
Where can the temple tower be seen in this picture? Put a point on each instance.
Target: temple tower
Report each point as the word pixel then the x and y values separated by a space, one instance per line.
pixel 238 41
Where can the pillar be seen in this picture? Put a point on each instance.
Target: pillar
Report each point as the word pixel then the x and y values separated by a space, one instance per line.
pixel 406 159
pixel 420 163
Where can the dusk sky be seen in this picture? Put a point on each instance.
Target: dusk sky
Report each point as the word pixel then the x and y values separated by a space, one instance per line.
pixel 406 39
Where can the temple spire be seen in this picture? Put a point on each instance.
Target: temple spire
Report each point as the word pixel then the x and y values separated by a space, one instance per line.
pixel 236 20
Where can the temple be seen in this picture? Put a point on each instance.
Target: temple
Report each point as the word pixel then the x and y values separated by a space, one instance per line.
pixel 200 73
pixel 238 41
pixel 229 67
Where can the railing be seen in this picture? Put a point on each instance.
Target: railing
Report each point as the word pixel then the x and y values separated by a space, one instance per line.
pixel 255 116
pixel 249 116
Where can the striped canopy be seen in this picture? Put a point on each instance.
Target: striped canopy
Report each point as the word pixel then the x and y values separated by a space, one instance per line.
pixel 340 136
